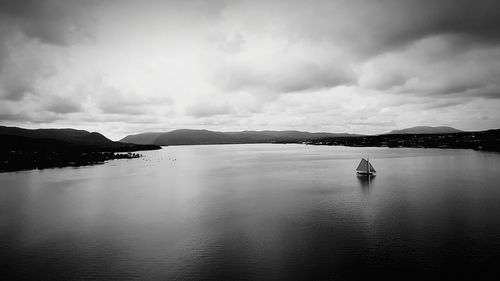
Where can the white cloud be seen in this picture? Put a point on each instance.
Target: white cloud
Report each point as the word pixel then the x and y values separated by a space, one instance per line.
pixel 434 67
pixel 352 66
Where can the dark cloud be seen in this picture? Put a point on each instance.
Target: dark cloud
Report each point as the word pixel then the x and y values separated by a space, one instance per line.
pixel 437 104
pixel 207 110
pixel 121 107
pixel 26 26
pixel 448 88
pixel 54 22
pixel 296 77
pixel 361 29
pixel 401 22
pixel 374 123
pixel 259 58
pixel 46 117
pixel 471 88
pixel 488 92
pixel 14 117
pixel 372 27
pixel 63 105
pixel 51 21
pixel 431 68
pixel 111 100
pixel 15 89
pixel 23 69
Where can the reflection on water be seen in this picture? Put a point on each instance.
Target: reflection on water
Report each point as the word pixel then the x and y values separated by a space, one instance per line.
pixel 227 212
pixel 366 181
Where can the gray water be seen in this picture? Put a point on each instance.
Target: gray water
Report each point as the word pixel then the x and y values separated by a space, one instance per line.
pixel 260 211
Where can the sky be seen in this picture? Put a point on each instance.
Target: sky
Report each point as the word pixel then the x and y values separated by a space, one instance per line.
pixel 126 67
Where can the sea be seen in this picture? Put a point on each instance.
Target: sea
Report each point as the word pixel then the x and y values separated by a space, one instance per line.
pixel 256 212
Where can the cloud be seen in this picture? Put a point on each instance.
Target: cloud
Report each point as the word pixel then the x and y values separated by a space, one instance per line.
pixel 101 94
pixel 208 109
pixel 31 32
pixel 230 44
pixel 368 27
pixel 27 64
pixel 56 22
pixel 285 67
pixel 297 77
pixel 62 105
pixel 374 123
pixel 429 67
pixel 397 23
pixel 443 103
pixel 13 117
pixel 326 65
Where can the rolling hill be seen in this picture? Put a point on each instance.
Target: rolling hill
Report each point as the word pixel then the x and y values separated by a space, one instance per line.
pixel 22 149
pixel 14 138
pixel 144 138
pixel 425 130
pixel 192 137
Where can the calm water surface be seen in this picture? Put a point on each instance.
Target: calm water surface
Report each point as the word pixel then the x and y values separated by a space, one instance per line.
pixel 261 212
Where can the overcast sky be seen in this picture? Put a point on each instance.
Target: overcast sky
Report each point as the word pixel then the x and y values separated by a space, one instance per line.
pixel 123 67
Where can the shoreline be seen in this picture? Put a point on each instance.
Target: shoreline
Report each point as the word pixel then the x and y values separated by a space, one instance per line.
pixel 33 161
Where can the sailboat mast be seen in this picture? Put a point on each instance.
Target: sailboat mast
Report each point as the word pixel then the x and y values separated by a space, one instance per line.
pixel 368 164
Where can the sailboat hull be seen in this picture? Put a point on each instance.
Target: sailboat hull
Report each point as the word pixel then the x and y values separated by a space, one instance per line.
pixel 365 173
pixel 365 168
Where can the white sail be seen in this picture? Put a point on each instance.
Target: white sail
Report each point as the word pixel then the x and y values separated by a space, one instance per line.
pixel 364 166
pixel 372 170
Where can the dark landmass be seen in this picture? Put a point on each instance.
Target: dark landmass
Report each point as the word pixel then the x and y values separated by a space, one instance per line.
pixel 421 136
pixel 426 130
pixel 193 137
pixel 44 148
pixel 483 140
pixel 22 149
pixel 144 138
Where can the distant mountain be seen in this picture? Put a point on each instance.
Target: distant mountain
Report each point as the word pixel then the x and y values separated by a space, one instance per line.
pixel 144 138
pixel 72 136
pixel 14 138
pixel 426 130
pixel 185 136
pixel 191 137
pixel 22 149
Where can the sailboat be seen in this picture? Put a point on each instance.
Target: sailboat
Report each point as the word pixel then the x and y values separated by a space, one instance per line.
pixel 365 167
